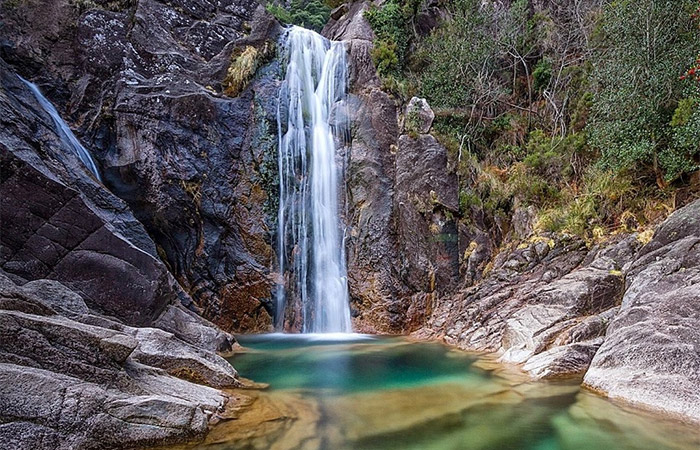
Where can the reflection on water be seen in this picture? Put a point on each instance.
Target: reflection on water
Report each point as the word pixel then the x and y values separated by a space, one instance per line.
pixel 388 393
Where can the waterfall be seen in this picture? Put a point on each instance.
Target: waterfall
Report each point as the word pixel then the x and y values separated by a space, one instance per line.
pixel 309 234
pixel 64 132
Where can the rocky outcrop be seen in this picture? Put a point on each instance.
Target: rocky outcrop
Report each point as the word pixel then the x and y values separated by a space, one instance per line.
pixel 70 228
pixel 82 381
pixel 651 353
pixel 419 116
pixel 403 246
pixel 545 304
pixel 143 83
pixel 622 316
pixel 81 282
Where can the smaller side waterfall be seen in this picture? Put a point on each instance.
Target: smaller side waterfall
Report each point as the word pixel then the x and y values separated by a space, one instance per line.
pixel 310 240
pixel 63 130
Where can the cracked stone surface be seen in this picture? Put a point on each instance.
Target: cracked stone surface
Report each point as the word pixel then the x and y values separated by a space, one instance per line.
pixel 89 382
pixel 651 353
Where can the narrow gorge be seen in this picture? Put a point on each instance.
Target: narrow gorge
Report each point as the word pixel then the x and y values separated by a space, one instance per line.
pixel 221 229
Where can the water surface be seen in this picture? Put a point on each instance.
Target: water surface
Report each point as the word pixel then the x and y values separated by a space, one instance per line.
pixel 389 393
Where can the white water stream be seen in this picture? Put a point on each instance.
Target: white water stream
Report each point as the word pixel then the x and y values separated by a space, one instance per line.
pixel 64 132
pixel 310 243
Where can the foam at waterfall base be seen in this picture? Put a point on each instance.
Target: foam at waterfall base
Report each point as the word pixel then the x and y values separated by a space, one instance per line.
pixel 316 338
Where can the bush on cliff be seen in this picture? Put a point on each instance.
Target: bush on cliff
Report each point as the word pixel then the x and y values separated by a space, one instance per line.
pixel 642 47
pixel 568 106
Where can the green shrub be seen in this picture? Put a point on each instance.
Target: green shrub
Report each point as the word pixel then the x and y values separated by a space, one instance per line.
pixel 685 129
pixel 529 188
pixel 552 157
pixel 541 75
pixel 385 58
pixel 333 3
pixel 467 199
pixel 461 57
pixel 279 12
pixel 643 46
pixel 311 14
pixel 390 24
pixel 605 197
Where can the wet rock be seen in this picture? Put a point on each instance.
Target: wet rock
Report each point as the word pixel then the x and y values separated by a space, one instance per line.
pixel 195 330
pixel 14 298
pixel 426 198
pixel 563 361
pixel 651 353
pixel 71 229
pixel 62 345
pixel 370 196
pixel 550 309
pixel 57 296
pixel 53 411
pixel 403 241
pixel 361 66
pixel 419 116
pixel 142 84
pixel 158 348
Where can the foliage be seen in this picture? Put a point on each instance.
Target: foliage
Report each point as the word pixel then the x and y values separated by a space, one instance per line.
pixel 311 14
pixel 684 156
pixel 693 73
pixel 84 5
pixel 385 57
pixel 605 197
pixel 111 5
pixel 574 106
pixel 244 63
pixel 644 45
pixel 542 75
pixel 389 22
pixel 461 60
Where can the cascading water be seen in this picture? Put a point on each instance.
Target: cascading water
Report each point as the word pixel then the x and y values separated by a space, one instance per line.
pixel 309 235
pixel 63 130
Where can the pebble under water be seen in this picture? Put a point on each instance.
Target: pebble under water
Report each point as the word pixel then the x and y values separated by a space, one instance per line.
pixel 362 392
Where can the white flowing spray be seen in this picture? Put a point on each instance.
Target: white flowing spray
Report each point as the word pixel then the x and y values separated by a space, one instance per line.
pixel 310 230
pixel 64 132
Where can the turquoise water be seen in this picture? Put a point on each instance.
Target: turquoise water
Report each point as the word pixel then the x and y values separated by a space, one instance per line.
pixel 362 364
pixel 391 394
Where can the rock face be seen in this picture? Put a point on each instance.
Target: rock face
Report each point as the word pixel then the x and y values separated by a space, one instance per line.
pixel 88 382
pixel 651 353
pixel 545 304
pixel 403 246
pixel 142 83
pixel 81 280
pixel 622 316
pixel 184 222
pixel 69 228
